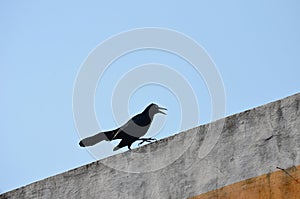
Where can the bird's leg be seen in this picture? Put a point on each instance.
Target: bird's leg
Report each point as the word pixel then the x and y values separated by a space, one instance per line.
pixel 129 147
pixel 146 140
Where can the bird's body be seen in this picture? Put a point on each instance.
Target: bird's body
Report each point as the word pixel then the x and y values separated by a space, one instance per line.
pixel 130 132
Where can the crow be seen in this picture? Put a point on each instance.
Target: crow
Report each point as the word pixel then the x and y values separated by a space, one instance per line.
pixel 130 132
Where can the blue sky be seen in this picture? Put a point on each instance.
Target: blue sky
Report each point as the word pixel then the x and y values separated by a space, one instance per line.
pixel 255 46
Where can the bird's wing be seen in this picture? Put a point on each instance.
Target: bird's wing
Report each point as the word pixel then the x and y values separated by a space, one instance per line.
pixel 132 128
pixel 123 128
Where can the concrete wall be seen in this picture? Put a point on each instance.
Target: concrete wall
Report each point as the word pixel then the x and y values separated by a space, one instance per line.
pixel 251 143
pixel 276 185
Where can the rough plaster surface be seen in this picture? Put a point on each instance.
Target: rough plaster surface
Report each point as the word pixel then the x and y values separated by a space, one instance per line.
pixel 251 143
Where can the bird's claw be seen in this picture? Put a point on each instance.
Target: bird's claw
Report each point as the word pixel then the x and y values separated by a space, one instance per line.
pixel 146 140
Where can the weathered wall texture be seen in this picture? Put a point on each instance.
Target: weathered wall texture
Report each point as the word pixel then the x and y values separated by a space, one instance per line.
pixel 252 143
pixel 276 185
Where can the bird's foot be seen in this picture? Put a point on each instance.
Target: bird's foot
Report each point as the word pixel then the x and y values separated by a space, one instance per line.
pixel 146 140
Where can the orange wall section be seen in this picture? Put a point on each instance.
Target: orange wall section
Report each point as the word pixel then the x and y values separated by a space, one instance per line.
pixel 276 185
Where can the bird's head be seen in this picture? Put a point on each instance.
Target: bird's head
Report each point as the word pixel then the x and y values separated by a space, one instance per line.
pixel 154 108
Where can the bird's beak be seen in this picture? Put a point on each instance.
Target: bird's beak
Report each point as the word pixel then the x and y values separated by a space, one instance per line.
pixel 160 110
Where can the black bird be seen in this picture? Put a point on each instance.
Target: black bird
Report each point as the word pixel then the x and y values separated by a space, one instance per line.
pixel 130 132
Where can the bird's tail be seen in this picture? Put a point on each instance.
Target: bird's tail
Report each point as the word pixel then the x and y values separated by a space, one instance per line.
pixel 90 141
